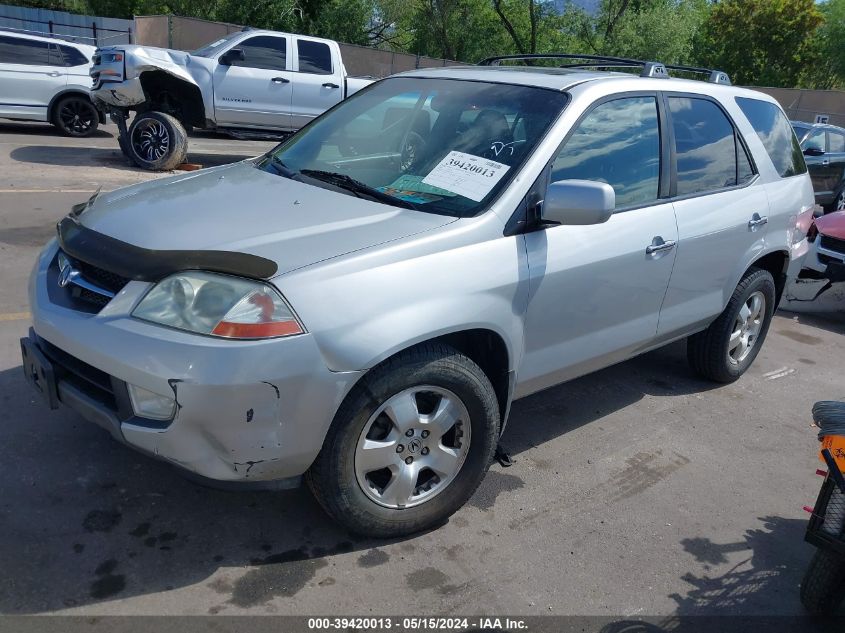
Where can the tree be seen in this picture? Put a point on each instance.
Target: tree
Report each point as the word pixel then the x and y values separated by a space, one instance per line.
pixel 659 30
pixel 763 42
pixel 831 45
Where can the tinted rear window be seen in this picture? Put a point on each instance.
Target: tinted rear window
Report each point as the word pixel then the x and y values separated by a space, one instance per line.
pixel 314 57
pixel 776 134
pixel 705 146
pixel 835 142
pixel 73 56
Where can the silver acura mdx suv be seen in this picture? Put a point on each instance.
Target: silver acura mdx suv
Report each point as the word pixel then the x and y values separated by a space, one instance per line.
pixel 362 304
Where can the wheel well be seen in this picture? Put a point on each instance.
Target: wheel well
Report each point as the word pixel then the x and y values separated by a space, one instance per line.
pixel 71 93
pixel 776 263
pixel 487 350
pixel 174 96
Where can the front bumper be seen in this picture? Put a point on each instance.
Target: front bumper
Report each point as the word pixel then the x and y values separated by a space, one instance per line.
pixel 123 94
pixel 245 410
pixel 824 252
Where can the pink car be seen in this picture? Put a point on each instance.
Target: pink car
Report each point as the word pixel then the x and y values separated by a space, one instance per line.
pixel 827 246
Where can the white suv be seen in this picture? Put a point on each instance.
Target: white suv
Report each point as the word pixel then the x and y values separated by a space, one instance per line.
pixel 42 79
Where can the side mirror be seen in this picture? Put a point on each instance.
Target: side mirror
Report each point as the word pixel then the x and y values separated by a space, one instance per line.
pixel 813 151
pixel 233 54
pixel 579 202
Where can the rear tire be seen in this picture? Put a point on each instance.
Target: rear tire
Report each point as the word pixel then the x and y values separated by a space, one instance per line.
pixel 157 141
pixel 726 349
pixel 823 585
pixel 76 116
pixel 354 487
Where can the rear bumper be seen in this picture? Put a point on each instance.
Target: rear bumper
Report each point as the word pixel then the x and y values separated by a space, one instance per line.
pixel 245 410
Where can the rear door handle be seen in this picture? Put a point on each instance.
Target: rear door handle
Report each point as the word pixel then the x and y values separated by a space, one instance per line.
pixel 280 80
pixel 329 84
pixel 660 246
pixel 54 73
pixel 757 221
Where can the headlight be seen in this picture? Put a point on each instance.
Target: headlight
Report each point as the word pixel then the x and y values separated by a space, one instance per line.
pixel 219 305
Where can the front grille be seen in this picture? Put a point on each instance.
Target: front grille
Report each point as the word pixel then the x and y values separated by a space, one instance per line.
pixel 75 295
pixel 103 278
pixel 832 244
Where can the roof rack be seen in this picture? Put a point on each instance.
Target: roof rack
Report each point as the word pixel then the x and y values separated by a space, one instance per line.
pixel 649 68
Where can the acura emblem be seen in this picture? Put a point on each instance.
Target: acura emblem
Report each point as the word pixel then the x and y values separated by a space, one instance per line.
pixel 65 275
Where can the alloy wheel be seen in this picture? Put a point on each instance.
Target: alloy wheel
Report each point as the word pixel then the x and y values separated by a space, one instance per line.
pixel 747 327
pixel 150 139
pixel 412 447
pixel 77 117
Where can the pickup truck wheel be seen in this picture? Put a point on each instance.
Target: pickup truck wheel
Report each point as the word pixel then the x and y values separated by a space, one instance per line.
pixel 410 444
pixel 76 116
pixel 727 348
pixel 157 141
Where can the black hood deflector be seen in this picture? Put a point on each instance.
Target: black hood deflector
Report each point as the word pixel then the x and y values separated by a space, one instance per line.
pixel 143 264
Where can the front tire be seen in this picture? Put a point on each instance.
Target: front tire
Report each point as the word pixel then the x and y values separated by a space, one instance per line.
pixel 76 116
pixel 410 444
pixel 157 141
pixel 726 349
pixel 823 585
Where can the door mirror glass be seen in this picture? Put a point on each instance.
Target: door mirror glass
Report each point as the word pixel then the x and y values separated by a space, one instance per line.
pixel 579 202
pixel 813 151
pixel 233 54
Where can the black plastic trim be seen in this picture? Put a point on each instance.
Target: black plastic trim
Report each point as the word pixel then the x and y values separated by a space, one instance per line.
pixel 142 264
pixel 96 395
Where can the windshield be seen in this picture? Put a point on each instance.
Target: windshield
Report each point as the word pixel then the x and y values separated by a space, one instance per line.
pixel 210 49
pixel 438 145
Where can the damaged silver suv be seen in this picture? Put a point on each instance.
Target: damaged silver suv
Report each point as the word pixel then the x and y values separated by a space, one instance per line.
pixel 362 304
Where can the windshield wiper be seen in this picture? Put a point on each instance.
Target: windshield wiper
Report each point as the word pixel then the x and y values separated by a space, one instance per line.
pixel 357 187
pixel 283 170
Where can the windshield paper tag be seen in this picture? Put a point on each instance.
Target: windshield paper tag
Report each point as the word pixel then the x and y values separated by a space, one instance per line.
pixel 466 175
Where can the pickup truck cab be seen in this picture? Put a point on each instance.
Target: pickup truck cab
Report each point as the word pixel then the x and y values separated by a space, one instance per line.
pixel 249 81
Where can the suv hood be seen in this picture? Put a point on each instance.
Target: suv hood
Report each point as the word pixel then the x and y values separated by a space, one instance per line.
pixel 243 209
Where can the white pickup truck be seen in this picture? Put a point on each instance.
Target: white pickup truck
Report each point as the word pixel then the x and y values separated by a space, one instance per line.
pixel 248 82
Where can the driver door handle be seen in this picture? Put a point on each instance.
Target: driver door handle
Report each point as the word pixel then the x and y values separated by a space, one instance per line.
pixel 280 80
pixel 329 84
pixel 825 161
pixel 651 249
pixel 757 221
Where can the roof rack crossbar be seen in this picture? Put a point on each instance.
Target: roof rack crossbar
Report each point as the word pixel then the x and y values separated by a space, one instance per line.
pixel 650 68
pixel 713 76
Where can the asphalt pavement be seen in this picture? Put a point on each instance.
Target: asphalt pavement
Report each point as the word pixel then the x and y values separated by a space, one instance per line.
pixel 639 490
